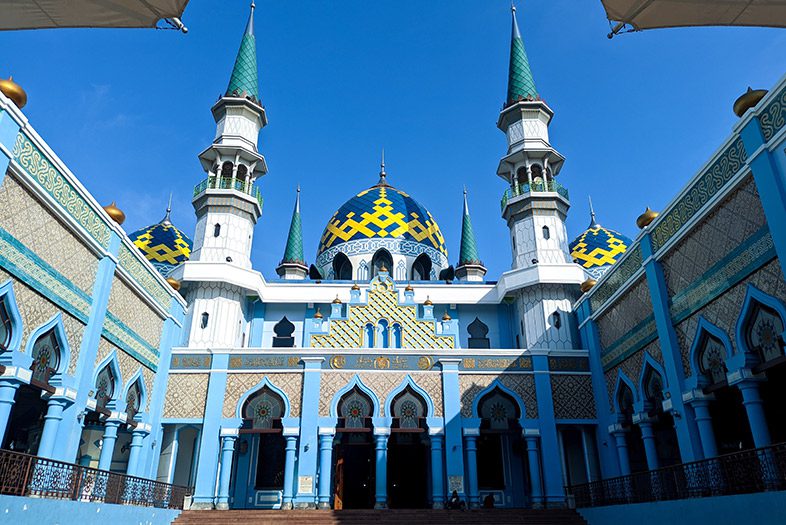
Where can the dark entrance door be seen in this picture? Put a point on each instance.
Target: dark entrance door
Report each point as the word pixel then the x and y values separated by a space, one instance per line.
pixel 354 471
pixel 408 471
pixel 26 422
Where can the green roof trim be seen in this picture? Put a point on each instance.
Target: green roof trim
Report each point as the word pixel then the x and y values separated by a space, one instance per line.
pixel 244 77
pixel 469 250
pixel 521 85
pixel 293 253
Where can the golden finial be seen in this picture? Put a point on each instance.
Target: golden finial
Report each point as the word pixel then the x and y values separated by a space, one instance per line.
pixel 383 268
pixel 587 285
pixel 174 283
pixel 446 317
pixel 408 288
pixel 336 300
pixel 355 286
pixel 427 302
pixel 318 314
pixel 13 91
pixel 115 213
pixel 646 218
pixel 748 100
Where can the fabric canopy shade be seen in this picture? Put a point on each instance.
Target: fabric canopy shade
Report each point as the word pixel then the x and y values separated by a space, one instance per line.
pixel 41 14
pixel 651 14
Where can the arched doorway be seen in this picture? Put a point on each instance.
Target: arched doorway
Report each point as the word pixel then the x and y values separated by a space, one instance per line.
pixel 421 268
pixel 635 445
pixel 501 452
pixel 353 453
pixel 260 457
pixel 26 421
pixel 408 453
pixel 382 261
pixel 662 422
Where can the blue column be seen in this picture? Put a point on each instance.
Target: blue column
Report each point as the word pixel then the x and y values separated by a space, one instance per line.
pixel 622 452
pixel 7 392
pixel 701 409
pixel 650 449
pixel 454 445
pixel 52 419
pixel 173 456
pixel 553 489
pixel 209 442
pixel 533 460
pixel 108 443
pixel 135 450
pixel 325 469
pixel 308 447
pixel 770 182
pixel 471 448
pixel 672 355
pixel 754 407
pixel 225 474
pixel 437 473
pixel 289 472
pixel 381 493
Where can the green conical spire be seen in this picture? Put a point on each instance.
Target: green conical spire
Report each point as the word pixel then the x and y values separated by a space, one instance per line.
pixel 294 250
pixel 521 85
pixel 469 250
pixel 244 74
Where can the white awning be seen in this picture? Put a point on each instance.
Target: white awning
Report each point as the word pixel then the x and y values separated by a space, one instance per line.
pixel 43 14
pixel 651 14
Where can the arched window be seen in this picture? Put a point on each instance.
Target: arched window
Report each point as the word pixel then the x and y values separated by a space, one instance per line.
pixel 6 329
pixel 264 409
pixel 216 230
pixel 653 387
pixel 408 409
pixel 342 268
pixel 226 170
pixel 712 360
pixel 556 320
pixel 497 410
pixel 105 387
pixel 368 336
pixel 242 171
pixel 625 403
pixel 763 332
pixel 383 334
pixel 382 261
pixel 205 319
pixel 478 334
pixel 46 357
pixel 537 174
pixel 134 399
pixel 401 271
pixel 397 335
pixel 363 274
pixel 284 330
pixel 546 233
pixel 355 409
pixel 421 268
pixel 521 176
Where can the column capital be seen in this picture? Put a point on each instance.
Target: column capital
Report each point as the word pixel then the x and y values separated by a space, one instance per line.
pixel 697 397
pixel 471 432
pixel 744 378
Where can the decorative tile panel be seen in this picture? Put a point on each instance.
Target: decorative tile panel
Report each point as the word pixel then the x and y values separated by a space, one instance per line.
pixel 572 396
pixel 132 311
pixel 382 384
pixel 773 117
pixel 128 366
pixel 617 276
pixel 470 385
pixel 186 396
pixel 238 384
pixel 143 275
pixel 627 325
pixel 55 184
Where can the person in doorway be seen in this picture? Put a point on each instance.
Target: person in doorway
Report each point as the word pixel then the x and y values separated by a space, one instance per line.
pixel 488 501
pixel 456 503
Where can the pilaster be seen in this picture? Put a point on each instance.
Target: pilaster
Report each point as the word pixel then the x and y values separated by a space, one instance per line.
pixel 454 447
pixel 308 450
pixel 549 441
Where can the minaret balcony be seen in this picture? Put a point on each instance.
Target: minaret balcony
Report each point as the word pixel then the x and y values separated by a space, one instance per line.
pixel 551 186
pixel 225 183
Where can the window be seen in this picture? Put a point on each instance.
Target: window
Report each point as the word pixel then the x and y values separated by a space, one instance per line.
pixel 383 334
pixel 625 402
pixel 363 271
pixel 478 334
pixel 342 268
pixel 653 387
pixel 421 268
pixel 381 262
pixel 216 230
pixel 46 357
pixel 284 330
pixel 397 335
pixel 546 233
pixel 105 387
pixel 368 334
pixel 205 318
pixel 5 327
pixel 556 320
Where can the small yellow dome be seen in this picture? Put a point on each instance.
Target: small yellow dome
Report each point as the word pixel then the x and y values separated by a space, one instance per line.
pixel 355 286
pixel 13 91
pixel 748 100
pixel 115 213
pixel 318 314
pixel 646 218
pixel 427 302
pixel 446 317
pixel 587 285
pixel 174 283
pixel 336 300
pixel 408 288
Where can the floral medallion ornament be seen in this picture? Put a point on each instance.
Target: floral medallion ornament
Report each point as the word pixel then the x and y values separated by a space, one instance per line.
pixel 46 357
pixel 264 408
pixel 355 408
pixel 498 412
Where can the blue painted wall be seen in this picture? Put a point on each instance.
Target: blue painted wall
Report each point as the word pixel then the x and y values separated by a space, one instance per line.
pixel 29 511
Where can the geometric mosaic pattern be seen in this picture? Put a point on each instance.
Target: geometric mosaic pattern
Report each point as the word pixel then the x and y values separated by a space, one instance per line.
pixel 163 245
pixel 597 249
pixel 186 395
pixel 470 385
pixel 382 211
pixel 572 396
pixel 238 384
pixel 382 304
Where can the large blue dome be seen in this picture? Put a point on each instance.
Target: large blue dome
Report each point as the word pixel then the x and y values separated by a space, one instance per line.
pixel 598 248
pixel 163 245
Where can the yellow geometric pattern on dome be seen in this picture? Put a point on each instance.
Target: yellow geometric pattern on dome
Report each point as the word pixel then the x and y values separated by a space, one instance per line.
pixel 383 221
pixel 160 252
pixel 598 247
pixel 382 304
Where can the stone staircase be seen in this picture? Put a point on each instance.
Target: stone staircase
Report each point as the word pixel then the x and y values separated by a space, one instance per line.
pixel 380 517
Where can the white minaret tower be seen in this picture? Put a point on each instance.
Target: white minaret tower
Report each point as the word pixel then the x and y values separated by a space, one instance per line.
pixel 535 207
pixel 227 206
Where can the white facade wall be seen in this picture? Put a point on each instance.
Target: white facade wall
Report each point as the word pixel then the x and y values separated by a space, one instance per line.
pixel 234 239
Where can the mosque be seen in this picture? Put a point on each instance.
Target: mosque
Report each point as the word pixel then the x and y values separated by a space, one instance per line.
pixel 391 371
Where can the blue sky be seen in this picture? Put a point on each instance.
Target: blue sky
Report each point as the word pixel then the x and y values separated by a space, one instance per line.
pixel 636 116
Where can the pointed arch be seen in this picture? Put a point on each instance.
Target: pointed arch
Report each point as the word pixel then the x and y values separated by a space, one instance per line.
pixel 623 381
pixel 409 382
pixel 111 364
pixel 381 259
pixel 755 303
pixel 284 330
pixel 342 267
pixel 10 322
pixel 650 365
pixel 265 383
pixel 705 332
pixel 355 382
pixel 137 380
pixel 421 268
pixel 497 385
pixel 56 328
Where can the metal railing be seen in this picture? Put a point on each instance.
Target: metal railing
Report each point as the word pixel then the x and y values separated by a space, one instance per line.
pixel 524 189
pixel 745 472
pixel 223 183
pixel 26 475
